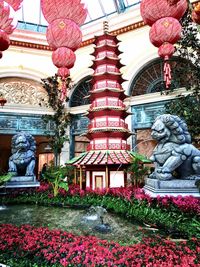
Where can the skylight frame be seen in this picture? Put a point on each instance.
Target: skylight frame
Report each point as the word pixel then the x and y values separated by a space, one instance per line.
pixel 104 9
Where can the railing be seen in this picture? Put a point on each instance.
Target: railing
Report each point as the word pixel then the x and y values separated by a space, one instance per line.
pixel 106 102
pixel 105 146
pixel 106 68
pixel 105 84
pixel 100 124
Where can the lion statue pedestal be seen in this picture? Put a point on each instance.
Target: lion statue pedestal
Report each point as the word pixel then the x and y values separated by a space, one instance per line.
pixel 22 161
pixel 176 160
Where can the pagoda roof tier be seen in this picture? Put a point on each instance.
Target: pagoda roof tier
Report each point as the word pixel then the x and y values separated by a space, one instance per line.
pixel 104 48
pixel 106 36
pixel 107 60
pixel 107 75
pixel 114 103
pixel 107 112
pixel 94 108
pixel 105 43
pixel 105 83
pixel 107 157
pixel 108 133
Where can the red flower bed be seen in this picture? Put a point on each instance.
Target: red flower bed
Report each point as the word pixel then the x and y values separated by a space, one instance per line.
pixel 55 246
pixel 187 204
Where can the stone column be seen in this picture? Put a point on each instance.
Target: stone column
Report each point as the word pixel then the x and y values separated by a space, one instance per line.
pixel 64 155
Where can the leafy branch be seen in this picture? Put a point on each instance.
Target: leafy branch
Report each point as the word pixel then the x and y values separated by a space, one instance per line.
pixel 5 178
pixel 60 119
pixel 188 49
pixel 56 175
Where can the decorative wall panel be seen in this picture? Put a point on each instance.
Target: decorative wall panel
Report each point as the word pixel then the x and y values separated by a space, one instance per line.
pixel 79 124
pixel 144 115
pixel 34 124
pixel 23 91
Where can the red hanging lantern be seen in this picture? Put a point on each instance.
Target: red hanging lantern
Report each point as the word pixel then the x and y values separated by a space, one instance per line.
pixel 15 4
pixel 196 14
pixel 63 57
pixel 63 72
pixel 163 16
pixel 152 10
pixel 7 23
pixel 166 50
pixel 71 9
pixel 163 34
pixel 4 41
pixel 195 17
pixel 165 30
pixel 63 33
pixel 197 9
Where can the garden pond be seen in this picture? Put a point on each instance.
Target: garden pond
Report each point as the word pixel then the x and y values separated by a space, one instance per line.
pixel 70 220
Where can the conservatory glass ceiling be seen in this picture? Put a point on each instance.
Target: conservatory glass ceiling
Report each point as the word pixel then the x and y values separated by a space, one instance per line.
pixel 30 16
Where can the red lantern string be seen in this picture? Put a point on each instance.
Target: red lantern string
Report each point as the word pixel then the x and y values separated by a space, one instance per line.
pixel 165 51
pixel 63 34
pixel 63 73
pixel 163 16
pixel 163 34
pixel 64 91
pixel 167 74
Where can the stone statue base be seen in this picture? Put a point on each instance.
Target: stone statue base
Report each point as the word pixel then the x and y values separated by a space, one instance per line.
pixel 22 182
pixel 175 187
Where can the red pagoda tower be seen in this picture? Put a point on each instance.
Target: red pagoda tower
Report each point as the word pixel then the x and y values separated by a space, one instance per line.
pixel 108 154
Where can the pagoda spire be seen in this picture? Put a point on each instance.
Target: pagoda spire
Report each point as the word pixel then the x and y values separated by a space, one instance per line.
pixel 105 27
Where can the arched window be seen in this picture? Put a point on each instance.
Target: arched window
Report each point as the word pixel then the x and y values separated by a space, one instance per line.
pixel 150 78
pixel 81 93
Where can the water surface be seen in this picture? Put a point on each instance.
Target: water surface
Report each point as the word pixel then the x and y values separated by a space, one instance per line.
pixel 70 220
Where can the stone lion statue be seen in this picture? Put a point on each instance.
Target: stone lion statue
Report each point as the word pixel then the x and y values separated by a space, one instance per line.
pixel 174 156
pixel 22 161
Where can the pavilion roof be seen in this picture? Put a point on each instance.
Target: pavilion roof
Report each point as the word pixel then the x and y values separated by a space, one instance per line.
pixel 107 157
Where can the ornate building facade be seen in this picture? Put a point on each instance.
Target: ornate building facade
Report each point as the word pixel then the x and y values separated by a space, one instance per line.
pixel 28 60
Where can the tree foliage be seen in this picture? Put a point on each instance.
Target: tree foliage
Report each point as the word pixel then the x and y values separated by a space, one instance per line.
pixel 187 105
pixel 56 175
pixel 137 170
pixel 60 119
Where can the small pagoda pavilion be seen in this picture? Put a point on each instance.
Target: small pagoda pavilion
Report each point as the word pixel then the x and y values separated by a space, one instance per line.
pixel 108 155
